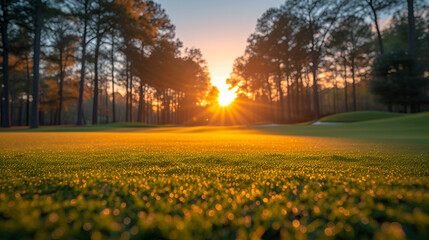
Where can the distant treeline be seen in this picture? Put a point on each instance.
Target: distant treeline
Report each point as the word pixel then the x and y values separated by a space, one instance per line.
pixel 307 59
pixel 96 61
pixel 99 61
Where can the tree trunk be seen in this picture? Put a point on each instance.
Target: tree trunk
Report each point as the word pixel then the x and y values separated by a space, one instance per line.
pixel 289 103
pixel 36 61
pixel 315 89
pixel 147 106
pixel 168 104
pixel 380 40
pixel 335 97
pixel 141 103
pixel 83 117
pixel 345 87
pixel 411 29
pixel 21 107
pixel 51 118
pixel 60 92
pixel 106 101
pixel 157 110
pixel 279 86
pixel 165 109
pixel 5 41
pixel 270 99
pixel 113 81
pixel 96 53
pixel 82 69
pixel 41 118
pixel 27 115
pixel 299 94
pixel 127 90
pixel 100 99
pixel 353 84
pixel 12 106
pixel 308 92
pixel 281 113
pixel 176 117
pixel 131 93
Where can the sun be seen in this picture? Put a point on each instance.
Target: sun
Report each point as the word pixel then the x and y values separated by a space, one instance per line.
pixel 226 97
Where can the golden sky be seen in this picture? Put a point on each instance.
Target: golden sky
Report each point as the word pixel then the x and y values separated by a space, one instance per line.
pixel 219 28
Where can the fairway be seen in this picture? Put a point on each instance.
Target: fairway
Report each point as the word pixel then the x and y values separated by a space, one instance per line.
pixel 222 182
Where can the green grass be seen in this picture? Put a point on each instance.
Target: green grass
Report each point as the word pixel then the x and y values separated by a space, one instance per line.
pixel 326 182
pixel 412 128
pixel 359 116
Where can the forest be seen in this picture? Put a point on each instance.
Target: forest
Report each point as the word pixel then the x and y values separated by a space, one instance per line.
pixel 309 59
pixel 101 61
pixel 96 61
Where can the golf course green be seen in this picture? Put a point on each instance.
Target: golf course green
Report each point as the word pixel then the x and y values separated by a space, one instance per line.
pixel 363 180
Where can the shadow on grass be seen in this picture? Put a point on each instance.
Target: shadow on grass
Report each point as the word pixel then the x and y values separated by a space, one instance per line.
pixel 89 128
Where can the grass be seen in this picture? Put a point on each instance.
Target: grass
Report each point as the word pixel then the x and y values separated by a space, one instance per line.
pixel 359 116
pixel 413 128
pixel 220 183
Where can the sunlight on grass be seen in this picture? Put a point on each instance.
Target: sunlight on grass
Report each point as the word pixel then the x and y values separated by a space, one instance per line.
pixel 192 182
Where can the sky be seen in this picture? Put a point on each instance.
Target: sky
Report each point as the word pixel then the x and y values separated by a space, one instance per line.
pixel 219 28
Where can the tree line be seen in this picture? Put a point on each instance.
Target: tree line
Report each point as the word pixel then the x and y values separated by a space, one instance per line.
pixel 307 59
pixel 96 61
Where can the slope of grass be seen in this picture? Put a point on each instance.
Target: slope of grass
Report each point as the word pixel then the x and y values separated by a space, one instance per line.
pixel 413 128
pixel 359 116
pixel 198 183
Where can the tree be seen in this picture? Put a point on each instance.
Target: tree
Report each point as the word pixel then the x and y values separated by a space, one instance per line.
pixel 398 80
pixel 4 33
pixel 102 16
pixel 144 28
pixel 264 58
pixel 396 34
pixel 351 39
pixel 21 47
pixel 139 31
pixel 62 54
pixel 274 63
pixel 397 42
pixel 36 63
pixel 20 37
pixel 292 39
pixel 319 16
pixel 83 17
pixel 278 30
pixel 376 7
pixel 112 59
pixel 411 29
